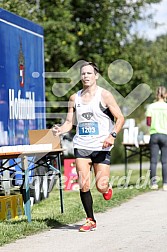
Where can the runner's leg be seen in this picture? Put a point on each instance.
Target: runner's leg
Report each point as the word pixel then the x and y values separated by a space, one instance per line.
pixel 83 169
pixel 102 175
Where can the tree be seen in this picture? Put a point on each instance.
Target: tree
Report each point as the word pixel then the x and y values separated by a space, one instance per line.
pixel 26 9
pixel 98 31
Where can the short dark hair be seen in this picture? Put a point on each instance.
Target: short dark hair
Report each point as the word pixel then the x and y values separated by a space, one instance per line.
pixel 90 64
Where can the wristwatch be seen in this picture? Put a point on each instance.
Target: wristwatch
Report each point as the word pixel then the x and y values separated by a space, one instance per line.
pixel 113 134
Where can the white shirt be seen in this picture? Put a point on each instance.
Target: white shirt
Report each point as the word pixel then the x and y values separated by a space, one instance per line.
pixel 94 123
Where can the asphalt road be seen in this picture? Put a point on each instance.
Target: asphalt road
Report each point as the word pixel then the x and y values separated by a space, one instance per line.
pixel 135 226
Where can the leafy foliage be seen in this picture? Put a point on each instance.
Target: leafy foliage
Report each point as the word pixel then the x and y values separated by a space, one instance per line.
pixel 98 31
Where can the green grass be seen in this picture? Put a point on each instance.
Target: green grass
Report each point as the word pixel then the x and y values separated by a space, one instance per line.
pixel 46 214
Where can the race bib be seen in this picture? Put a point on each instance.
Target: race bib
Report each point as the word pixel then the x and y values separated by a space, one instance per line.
pixel 88 128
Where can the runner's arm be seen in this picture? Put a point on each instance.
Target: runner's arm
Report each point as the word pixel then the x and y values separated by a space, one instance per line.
pixel 69 122
pixel 109 101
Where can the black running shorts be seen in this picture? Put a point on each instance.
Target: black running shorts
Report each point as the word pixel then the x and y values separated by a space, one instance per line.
pixel 97 157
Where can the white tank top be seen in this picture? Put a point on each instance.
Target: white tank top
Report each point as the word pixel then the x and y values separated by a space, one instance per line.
pixel 94 123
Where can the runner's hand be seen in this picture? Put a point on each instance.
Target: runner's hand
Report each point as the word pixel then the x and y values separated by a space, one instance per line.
pixel 108 142
pixel 56 130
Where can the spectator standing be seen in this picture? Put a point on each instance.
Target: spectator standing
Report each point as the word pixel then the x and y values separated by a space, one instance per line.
pixel 156 118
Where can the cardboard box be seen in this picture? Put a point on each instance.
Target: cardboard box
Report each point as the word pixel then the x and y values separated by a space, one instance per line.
pixel 6 208
pixel 45 136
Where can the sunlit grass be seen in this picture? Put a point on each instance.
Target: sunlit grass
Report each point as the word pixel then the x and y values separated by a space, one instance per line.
pixel 47 214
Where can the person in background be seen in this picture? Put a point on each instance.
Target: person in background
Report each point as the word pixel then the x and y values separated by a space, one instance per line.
pixel 156 118
pixel 98 121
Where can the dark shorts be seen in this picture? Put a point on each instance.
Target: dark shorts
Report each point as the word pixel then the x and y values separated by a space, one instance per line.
pixel 97 157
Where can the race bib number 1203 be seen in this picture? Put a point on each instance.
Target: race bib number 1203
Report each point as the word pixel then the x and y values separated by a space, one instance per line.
pixel 88 128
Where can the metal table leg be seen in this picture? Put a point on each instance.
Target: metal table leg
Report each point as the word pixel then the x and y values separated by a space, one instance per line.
pixel 26 189
pixel 140 162
pixel 60 183
pixel 126 161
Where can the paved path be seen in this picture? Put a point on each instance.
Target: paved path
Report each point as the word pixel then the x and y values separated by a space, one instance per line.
pixel 135 226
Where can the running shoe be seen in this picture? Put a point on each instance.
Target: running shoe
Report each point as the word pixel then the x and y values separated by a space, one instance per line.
pixel 165 187
pixel 108 195
pixel 90 225
pixel 154 187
